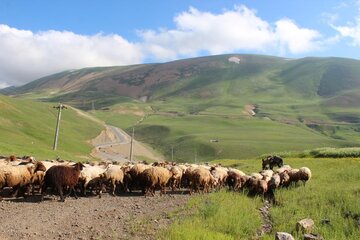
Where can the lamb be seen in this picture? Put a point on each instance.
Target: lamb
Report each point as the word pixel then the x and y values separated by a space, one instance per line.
pixel 60 177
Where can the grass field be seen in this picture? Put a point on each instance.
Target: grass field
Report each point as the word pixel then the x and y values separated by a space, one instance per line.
pixel 191 135
pixel 332 194
pixel 28 128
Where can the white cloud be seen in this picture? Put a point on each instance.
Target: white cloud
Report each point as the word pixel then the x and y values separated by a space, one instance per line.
pixel 294 39
pixel 233 30
pixel 351 31
pixel 26 56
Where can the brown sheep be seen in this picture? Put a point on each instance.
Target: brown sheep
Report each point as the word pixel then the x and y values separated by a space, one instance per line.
pixel 220 174
pixel 60 177
pixel 19 176
pixel 113 175
pixel 202 178
pixel 175 180
pixel 236 181
pixel 257 186
pixel 131 179
pixel 154 177
pixel 303 174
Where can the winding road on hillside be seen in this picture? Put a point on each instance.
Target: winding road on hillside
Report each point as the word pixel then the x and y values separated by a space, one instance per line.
pixel 119 138
pixel 114 144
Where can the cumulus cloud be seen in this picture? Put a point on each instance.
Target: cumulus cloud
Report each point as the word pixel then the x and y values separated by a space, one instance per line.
pixel 294 39
pixel 232 30
pixel 351 31
pixel 26 56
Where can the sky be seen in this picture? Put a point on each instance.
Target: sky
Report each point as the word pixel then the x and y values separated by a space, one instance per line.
pixel 42 37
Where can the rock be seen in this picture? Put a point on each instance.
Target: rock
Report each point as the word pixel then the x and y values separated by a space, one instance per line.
pixel 283 236
pixel 313 236
pixel 305 225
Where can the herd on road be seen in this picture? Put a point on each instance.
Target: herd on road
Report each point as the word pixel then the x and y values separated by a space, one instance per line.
pixel 25 177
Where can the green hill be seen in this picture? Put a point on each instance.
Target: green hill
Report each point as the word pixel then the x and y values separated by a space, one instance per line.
pixel 252 104
pixel 27 128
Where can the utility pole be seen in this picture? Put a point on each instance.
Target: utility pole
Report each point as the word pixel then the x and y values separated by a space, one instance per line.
pixel 60 107
pixel 195 155
pixel 92 106
pixel 131 144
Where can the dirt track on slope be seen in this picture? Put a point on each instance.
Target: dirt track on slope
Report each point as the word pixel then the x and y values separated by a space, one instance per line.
pixel 121 217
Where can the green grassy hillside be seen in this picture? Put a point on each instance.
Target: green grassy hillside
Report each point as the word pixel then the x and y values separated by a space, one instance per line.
pixel 299 103
pixel 28 127
pixel 332 194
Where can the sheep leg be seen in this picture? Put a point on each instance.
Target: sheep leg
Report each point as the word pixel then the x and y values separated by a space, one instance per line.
pixel 43 191
pixel 60 190
pixel 15 192
pixel 73 190
pixel 113 187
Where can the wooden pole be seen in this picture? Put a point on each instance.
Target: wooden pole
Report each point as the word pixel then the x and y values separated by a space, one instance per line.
pixel 131 145
pixel 60 107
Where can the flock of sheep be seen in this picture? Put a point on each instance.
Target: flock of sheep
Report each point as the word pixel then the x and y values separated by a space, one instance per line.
pixel 25 177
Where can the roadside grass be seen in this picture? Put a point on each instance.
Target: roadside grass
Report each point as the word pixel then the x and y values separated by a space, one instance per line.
pixel 333 194
pixel 28 128
pixel 220 215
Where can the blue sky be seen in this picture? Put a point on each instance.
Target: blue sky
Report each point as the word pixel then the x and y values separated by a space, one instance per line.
pixel 41 37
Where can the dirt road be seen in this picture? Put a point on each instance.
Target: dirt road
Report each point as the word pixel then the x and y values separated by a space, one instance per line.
pixel 114 144
pixel 120 217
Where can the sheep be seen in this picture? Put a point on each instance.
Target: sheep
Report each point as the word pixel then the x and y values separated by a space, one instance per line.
pixel 274 181
pixel 235 180
pixel 283 168
pixel 19 176
pixel 90 173
pixel 154 177
pixel 267 174
pixel 237 171
pixel 186 180
pixel 257 186
pixel 175 180
pixel 257 176
pixel 284 178
pixel 303 174
pixel 113 175
pixel 201 177
pixel 60 177
pixel 220 174
pixel 131 179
